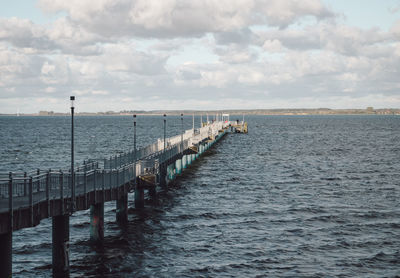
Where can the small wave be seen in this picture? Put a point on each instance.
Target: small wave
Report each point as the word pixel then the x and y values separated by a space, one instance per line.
pixel 31 249
pixel 327 218
pixel 331 179
pixel 81 225
pixel 43 267
pixel 381 256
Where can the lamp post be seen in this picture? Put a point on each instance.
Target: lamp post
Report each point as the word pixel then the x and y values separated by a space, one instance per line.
pixel 72 98
pixel 182 142
pixel 182 131
pixel 165 131
pixel 134 138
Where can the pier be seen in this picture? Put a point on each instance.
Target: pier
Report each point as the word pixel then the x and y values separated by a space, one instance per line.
pixel 28 197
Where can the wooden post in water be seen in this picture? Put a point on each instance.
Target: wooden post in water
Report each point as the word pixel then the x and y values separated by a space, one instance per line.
pixel 60 236
pixel 139 196
pixel 6 254
pixel 122 209
pixel 6 238
pixel 163 174
pixel 97 223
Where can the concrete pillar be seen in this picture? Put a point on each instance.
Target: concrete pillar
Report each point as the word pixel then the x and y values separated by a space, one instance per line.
pixel 184 162
pixel 170 172
pixel 6 254
pixel 181 168
pixel 178 166
pixel 97 222
pixel 60 235
pixel 173 170
pixel 122 209
pixel 139 197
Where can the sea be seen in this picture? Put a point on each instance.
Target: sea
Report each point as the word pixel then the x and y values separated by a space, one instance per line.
pixel 298 196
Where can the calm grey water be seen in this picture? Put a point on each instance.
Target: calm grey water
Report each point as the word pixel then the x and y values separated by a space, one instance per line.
pixel 312 196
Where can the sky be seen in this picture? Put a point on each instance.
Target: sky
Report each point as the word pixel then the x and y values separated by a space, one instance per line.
pixel 203 55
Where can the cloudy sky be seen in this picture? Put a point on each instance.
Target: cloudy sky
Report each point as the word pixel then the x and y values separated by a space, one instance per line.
pixel 211 54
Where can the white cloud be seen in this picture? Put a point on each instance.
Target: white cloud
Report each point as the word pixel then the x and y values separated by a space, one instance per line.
pixel 247 51
pixel 171 18
pixel 273 46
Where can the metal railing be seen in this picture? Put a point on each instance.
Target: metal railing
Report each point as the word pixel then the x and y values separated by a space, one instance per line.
pixel 28 188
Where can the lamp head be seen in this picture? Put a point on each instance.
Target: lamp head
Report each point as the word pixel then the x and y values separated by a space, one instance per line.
pixel 72 99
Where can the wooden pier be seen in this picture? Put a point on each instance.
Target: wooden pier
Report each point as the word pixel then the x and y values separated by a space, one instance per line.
pixel 27 198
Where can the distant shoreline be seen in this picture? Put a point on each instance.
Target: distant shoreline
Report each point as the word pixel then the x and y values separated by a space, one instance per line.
pixel 270 112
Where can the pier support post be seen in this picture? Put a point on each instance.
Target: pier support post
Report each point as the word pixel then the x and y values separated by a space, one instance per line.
pixel 163 174
pixel 181 168
pixel 122 209
pixel 6 254
pixel 60 235
pixel 184 162
pixel 171 171
pixel 178 166
pixel 139 197
pixel 153 193
pixel 97 223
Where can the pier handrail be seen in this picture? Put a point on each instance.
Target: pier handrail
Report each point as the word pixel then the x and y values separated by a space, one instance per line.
pixel 115 170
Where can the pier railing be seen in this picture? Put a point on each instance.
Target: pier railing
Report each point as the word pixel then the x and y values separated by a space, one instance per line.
pixel 28 188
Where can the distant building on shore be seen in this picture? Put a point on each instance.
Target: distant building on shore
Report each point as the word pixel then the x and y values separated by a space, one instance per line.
pixel 46 113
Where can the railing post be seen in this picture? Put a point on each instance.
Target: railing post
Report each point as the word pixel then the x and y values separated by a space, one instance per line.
pixel 94 185
pixel 61 181
pixel 31 200
pixel 37 178
pixel 10 200
pixel 103 178
pixel 110 178
pixel 117 185
pixel 25 184
pixel 48 192
pixel 85 188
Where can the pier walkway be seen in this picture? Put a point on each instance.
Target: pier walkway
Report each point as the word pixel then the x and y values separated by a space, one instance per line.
pixel 28 197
